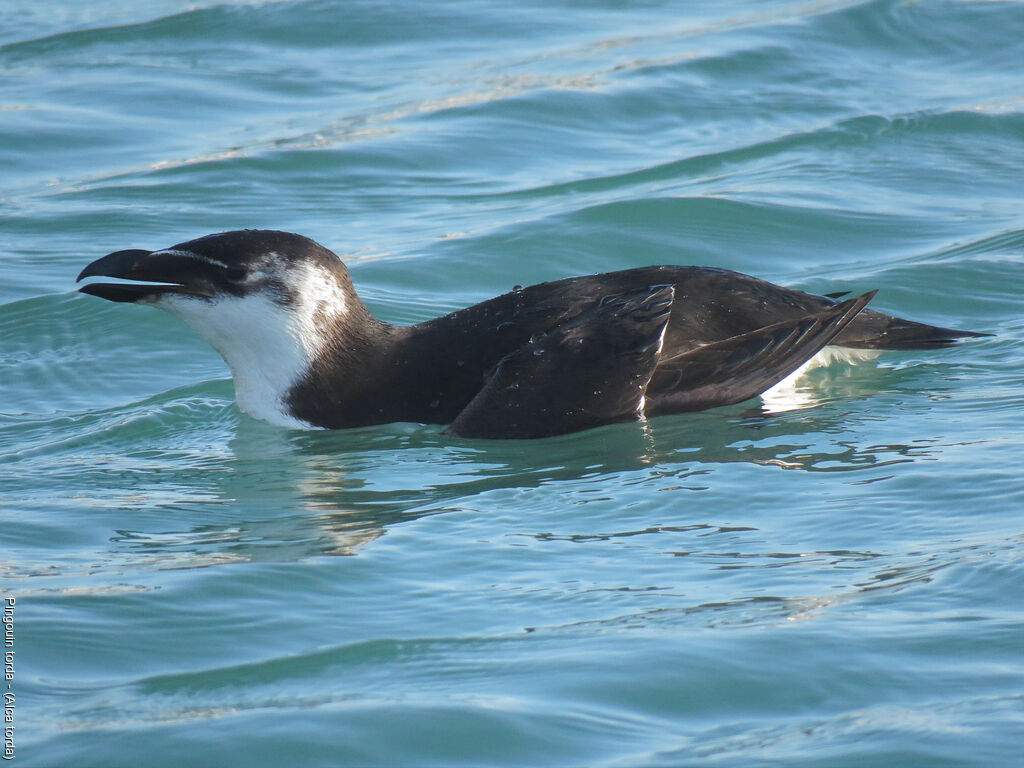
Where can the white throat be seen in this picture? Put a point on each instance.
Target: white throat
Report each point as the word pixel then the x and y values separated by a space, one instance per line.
pixel 268 346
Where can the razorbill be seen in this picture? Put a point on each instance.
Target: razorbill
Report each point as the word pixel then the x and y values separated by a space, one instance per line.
pixel 548 359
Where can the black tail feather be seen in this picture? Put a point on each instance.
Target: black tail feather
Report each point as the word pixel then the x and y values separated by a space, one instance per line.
pixel 875 330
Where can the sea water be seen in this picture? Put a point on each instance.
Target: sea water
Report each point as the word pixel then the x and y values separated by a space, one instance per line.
pixel 836 583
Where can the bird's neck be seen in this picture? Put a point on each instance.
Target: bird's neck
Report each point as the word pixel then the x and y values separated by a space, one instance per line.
pixel 267 350
pixel 271 347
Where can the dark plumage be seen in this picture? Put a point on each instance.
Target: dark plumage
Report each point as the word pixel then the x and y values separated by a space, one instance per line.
pixel 542 360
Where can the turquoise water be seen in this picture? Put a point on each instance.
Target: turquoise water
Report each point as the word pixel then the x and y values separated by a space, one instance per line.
pixel 836 585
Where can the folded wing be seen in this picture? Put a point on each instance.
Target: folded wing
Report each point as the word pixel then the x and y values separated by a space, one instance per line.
pixel 592 369
pixel 744 366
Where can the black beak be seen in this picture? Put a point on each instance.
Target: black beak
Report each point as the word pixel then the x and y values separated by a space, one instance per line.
pixel 162 272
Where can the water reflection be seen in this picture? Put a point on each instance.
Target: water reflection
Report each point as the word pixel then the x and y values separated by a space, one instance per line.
pixel 285 496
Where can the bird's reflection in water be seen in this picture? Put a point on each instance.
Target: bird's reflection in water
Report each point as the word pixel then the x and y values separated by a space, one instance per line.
pixel 288 495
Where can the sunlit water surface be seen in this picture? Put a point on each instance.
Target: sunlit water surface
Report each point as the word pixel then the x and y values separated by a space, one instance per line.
pixel 837 584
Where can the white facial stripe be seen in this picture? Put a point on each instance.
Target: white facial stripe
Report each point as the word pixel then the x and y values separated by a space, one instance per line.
pixel 190 255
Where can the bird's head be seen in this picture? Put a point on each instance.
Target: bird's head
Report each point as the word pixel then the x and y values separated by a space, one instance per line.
pixel 269 302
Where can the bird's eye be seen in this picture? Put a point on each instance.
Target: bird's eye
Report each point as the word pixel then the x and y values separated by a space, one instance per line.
pixel 235 273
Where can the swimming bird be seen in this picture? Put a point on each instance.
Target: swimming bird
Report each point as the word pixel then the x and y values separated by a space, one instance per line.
pixel 552 358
